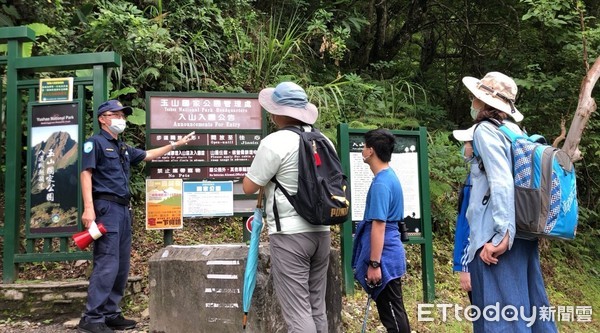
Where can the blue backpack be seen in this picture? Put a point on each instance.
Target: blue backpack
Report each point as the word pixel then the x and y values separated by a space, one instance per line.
pixel 545 187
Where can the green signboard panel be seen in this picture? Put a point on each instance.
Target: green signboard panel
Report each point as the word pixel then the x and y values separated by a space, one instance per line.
pixel 409 161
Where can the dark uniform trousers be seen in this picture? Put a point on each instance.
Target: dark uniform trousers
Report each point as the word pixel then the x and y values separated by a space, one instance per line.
pixel 111 262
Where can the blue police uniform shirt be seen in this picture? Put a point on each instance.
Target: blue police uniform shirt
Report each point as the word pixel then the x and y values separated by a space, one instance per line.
pixel 110 159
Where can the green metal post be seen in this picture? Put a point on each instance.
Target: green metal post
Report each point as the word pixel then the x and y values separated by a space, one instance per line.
pixel 168 237
pixel 346 239
pixel 426 248
pixel 2 137
pixel 15 65
pixel 100 91
pixel 12 195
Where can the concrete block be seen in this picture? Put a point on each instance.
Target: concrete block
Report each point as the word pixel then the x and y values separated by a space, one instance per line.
pixel 52 297
pixel 199 289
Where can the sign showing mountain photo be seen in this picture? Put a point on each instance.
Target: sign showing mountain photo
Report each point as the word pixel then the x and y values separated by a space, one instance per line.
pixel 54 175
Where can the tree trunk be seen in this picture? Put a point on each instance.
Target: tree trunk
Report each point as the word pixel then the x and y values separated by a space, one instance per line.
pixel 585 108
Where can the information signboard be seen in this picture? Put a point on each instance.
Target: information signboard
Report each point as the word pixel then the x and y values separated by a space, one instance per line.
pixel 405 163
pixel 207 199
pixel 163 204
pixel 56 89
pixel 410 163
pixel 204 112
pixel 200 172
pixel 228 129
pixel 53 176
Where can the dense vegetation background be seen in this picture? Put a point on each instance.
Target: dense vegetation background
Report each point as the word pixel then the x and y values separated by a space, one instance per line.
pixel 387 63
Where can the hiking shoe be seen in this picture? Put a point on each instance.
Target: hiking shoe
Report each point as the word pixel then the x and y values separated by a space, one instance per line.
pixel 120 323
pixel 85 327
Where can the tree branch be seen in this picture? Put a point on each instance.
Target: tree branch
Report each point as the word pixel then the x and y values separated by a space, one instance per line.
pixel 585 108
pixel 563 133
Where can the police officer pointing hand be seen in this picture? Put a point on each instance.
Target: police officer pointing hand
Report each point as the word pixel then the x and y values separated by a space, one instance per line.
pixel 106 167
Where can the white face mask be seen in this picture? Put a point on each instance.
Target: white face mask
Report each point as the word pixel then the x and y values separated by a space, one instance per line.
pixel 365 158
pixel 117 126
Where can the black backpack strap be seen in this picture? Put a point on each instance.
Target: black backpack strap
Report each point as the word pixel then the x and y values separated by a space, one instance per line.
pixel 276 212
pixel 297 129
pixel 278 185
pixel 287 195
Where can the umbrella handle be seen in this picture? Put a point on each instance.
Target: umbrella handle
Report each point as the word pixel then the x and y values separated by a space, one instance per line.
pixel 259 201
pixel 244 320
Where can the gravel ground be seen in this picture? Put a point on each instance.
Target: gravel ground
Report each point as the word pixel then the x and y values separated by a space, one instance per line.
pixel 64 327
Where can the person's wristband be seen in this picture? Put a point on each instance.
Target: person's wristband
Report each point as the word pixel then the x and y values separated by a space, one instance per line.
pixel 374 263
pixel 173 145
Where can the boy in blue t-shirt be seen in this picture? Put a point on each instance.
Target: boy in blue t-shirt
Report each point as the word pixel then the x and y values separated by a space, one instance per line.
pixel 378 257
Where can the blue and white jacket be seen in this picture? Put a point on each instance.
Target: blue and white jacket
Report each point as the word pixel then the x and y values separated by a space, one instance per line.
pixel 461 234
pixel 491 211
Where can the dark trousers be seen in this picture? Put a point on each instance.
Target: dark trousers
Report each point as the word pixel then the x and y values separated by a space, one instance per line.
pixel 391 308
pixel 111 262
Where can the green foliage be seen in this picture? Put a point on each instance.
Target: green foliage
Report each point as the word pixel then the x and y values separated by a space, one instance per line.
pixel 552 13
pixel 391 105
pixel 269 50
pixel 447 171
pixel 361 63
pixel 588 174
pixel 40 29
pixel 333 41
pixel 9 14
pixel 156 59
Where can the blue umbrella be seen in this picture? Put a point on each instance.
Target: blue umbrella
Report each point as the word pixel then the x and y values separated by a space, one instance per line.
pixel 252 261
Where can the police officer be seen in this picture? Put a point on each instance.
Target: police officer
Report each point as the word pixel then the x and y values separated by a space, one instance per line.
pixel 106 166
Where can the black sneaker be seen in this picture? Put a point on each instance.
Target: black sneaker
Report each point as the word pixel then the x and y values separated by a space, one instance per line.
pixel 85 327
pixel 120 323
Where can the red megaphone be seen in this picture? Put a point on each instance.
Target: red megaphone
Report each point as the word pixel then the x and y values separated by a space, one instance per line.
pixel 84 238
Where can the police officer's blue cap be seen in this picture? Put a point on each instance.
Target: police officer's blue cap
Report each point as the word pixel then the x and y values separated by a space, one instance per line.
pixel 114 105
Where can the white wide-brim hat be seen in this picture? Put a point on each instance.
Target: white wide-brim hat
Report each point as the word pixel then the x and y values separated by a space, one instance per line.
pixel 464 135
pixel 288 99
pixel 496 90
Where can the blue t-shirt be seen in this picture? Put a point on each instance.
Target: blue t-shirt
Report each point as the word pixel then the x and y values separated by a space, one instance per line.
pixel 385 203
pixel 384 199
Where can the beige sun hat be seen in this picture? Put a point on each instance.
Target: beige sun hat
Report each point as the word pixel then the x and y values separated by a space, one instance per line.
pixel 496 90
pixel 465 134
pixel 288 99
